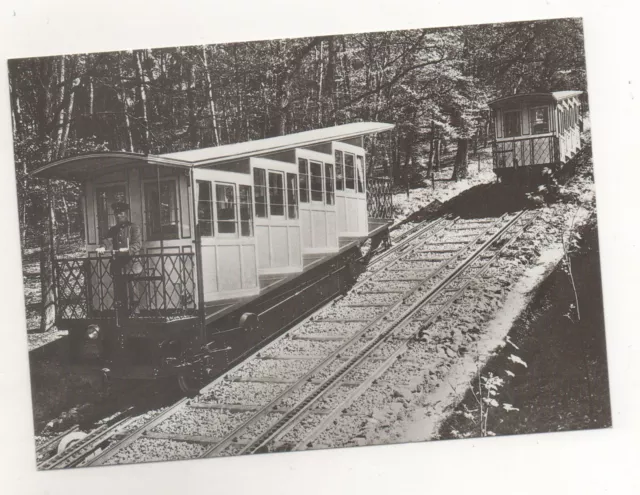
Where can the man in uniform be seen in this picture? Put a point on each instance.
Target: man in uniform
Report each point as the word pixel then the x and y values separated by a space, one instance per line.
pixel 124 239
pixel 124 236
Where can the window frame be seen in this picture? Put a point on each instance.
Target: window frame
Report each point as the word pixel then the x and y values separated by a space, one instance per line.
pixel 296 198
pixel 250 221
pixel 236 212
pixel 264 186
pixel 212 203
pixel 321 178
pixel 339 169
pixel 161 235
pixel 305 189
pixel 329 184
pixel 96 215
pixel 532 110
pixel 282 174
pixel 517 112
pixel 346 176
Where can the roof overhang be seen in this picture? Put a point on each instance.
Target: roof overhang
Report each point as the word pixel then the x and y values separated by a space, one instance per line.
pixel 82 167
pixel 532 98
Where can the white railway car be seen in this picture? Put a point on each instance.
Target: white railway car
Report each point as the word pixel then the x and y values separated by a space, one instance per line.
pixel 230 235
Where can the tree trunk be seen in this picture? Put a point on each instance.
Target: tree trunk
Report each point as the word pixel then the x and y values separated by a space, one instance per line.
pixel 461 164
pixel 212 106
pixel 192 126
pixel 60 125
pixel 125 111
pixel 67 118
pixel 320 81
pixel 436 158
pixel 47 255
pixel 91 97
pixel 431 141
pixel 407 162
pixel 142 83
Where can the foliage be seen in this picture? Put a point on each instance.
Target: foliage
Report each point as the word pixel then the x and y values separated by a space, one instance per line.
pixel 427 82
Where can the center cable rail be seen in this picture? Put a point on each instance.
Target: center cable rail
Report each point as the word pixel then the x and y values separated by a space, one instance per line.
pixel 231 439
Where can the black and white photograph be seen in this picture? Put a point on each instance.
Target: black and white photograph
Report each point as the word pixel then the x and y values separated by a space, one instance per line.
pixel 309 243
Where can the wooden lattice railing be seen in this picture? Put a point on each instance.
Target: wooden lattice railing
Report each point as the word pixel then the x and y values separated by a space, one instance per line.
pixel 379 198
pixel 524 152
pixel 150 285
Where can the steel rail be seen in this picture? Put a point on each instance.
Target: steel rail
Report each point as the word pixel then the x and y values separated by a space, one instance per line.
pixel 403 346
pixel 331 357
pixel 79 451
pixel 295 414
pixel 140 432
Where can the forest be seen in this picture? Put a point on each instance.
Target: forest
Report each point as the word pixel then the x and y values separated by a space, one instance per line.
pixel 433 84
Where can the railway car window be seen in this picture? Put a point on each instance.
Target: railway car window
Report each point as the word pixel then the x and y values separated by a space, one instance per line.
pixel 303 170
pixel 360 173
pixel 246 211
pixel 161 210
pixel 349 171
pixel 292 196
pixel 205 208
pixel 226 208
pixel 276 193
pixel 316 181
pixel 539 118
pixel 105 197
pixel 339 171
pixel 328 179
pixel 512 123
pixel 260 192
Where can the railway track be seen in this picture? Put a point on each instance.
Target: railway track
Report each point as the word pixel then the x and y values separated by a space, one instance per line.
pixel 286 395
pixel 81 449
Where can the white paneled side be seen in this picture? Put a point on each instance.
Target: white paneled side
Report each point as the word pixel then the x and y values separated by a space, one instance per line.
pixel 229 266
pixel 264 246
pixel 318 221
pixel 279 246
pixel 295 249
pixel 341 209
pixel 249 272
pixel 352 214
pixel 209 272
pixel 305 221
pixel 332 233
pixel 363 217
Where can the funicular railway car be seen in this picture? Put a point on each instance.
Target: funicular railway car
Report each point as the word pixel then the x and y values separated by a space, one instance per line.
pixel 534 132
pixel 237 243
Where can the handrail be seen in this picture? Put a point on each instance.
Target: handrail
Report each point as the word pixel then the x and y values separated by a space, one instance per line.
pixel 148 285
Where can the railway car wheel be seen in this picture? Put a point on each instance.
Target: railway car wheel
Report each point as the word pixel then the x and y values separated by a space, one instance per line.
pixel 69 440
pixel 190 383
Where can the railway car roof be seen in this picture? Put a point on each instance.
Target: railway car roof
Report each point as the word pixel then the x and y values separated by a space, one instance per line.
pixel 218 154
pixel 82 167
pixel 552 96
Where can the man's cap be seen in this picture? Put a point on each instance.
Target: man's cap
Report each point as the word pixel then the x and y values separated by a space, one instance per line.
pixel 119 207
